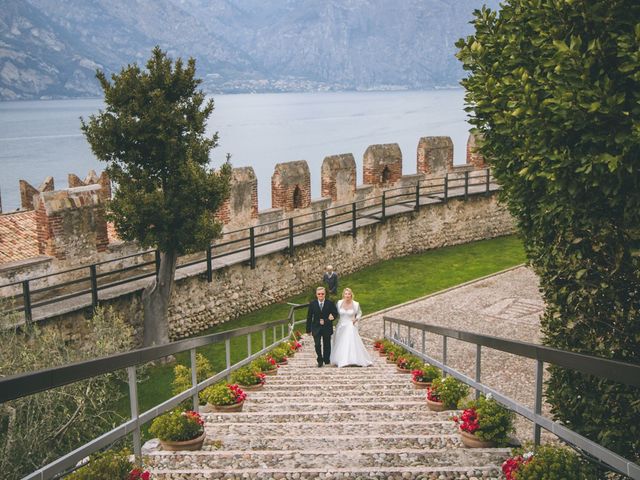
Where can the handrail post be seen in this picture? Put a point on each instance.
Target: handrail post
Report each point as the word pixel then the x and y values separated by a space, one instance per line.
pixel 384 327
pixel 417 207
pixel 487 180
pixel 252 248
pixel 424 341
pixel 444 354
pixel 133 405
pixel 264 339
pixel 26 299
pixel 466 185
pixel 227 356
pixel 209 264
pixel 383 208
pixel 446 187
pixel 290 236
pixel 353 219
pixel 324 227
pixel 537 407
pixel 248 345
pixel 478 368
pixel 194 378
pixel 157 257
pixel 94 285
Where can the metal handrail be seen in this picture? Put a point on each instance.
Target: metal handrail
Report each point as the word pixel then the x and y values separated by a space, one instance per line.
pixel 359 210
pixel 22 385
pixel 614 370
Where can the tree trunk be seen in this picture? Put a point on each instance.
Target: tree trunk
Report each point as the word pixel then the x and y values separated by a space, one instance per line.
pixel 155 301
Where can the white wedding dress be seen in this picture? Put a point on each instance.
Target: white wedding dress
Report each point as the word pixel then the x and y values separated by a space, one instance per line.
pixel 347 347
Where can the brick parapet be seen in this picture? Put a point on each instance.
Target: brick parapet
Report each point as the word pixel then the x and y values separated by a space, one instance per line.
pixel 434 155
pixel 382 165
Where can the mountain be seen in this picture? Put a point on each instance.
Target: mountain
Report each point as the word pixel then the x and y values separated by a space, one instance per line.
pixel 52 48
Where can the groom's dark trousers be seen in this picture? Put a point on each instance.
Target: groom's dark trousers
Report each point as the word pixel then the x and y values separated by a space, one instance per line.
pixel 321 333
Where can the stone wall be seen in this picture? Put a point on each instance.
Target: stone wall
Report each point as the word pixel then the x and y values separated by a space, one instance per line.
pixel 382 164
pixel 71 223
pixel 338 177
pixel 27 192
pixel 435 155
pixel 291 186
pixel 237 289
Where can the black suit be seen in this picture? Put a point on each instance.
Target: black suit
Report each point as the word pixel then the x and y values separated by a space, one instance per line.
pixel 321 333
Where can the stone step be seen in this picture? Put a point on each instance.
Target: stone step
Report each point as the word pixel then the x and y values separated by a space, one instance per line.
pixel 342 415
pixel 268 406
pixel 327 457
pixel 338 391
pixel 386 473
pixel 301 441
pixel 266 396
pixel 329 429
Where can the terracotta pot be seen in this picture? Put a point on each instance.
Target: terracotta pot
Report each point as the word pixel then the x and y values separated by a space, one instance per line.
pixel 435 406
pixel 471 441
pixel 420 385
pixel 271 372
pixel 193 444
pixel 283 363
pixel 402 370
pixel 252 388
pixel 236 407
pixel 381 353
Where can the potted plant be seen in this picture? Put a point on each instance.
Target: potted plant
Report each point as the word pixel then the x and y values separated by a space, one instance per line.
pixel 224 397
pixel 248 378
pixel 402 365
pixel 444 394
pixel 293 346
pixel 407 363
pixel 179 430
pixel 377 344
pixel 297 335
pixel 110 465
pixel 279 354
pixel 422 377
pixel 266 364
pixel 485 423
pixel 548 461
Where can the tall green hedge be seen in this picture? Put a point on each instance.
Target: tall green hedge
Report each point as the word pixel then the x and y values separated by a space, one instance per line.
pixel 554 89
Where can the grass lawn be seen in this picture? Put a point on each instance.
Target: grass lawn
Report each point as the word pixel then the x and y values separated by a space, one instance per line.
pixel 376 287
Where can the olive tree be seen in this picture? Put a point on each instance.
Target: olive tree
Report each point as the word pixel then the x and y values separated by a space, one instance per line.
pixel 152 136
pixel 554 89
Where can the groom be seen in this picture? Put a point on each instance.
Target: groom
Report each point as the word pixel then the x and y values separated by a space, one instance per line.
pixel 320 316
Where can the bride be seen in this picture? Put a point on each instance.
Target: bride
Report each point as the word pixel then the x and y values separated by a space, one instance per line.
pixel 347 347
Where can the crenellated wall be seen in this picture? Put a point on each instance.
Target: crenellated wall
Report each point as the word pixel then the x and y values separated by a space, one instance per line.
pixel 70 226
pixel 237 289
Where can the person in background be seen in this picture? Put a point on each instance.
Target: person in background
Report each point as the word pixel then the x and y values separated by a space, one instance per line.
pixel 330 279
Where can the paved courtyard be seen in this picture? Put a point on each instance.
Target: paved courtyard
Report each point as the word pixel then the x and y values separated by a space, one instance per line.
pixel 507 304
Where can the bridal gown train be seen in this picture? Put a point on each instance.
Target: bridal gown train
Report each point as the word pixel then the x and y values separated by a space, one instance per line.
pixel 347 347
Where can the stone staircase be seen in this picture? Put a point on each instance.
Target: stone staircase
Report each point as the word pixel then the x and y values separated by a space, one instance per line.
pixel 330 423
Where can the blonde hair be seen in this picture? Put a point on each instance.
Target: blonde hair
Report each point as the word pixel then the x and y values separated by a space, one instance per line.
pixel 347 290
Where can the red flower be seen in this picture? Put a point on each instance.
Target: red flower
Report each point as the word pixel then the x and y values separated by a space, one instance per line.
pixel 432 395
pixel 138 474
pixel 511 465
pixel 195 416
pixel 468 421
pixel 238 393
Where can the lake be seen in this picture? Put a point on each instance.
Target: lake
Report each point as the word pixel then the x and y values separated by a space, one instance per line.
pixel 42 138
